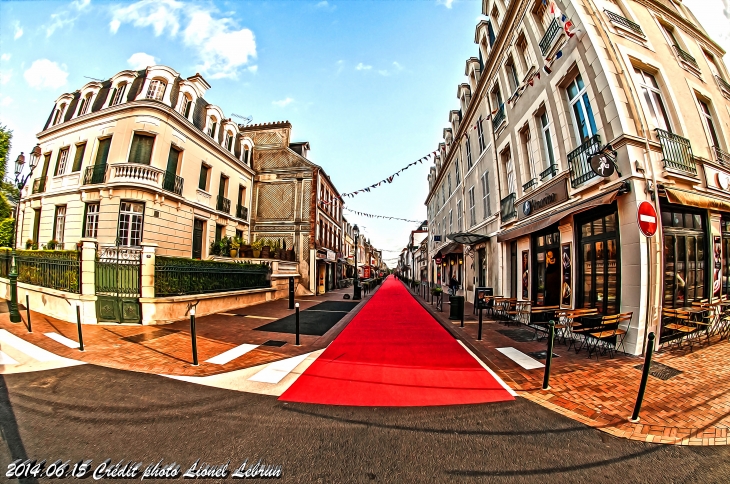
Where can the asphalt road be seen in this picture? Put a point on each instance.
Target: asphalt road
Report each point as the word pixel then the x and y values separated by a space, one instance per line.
pixel 88 412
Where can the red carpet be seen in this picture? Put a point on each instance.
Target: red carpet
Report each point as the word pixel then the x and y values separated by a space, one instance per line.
pixel 393 353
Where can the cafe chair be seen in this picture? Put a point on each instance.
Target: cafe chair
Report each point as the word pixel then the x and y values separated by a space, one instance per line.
pixel 602 338
pixel 680 322
pixel 622 332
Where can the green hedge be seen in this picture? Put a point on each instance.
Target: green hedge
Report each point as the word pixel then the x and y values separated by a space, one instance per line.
pixel 55 269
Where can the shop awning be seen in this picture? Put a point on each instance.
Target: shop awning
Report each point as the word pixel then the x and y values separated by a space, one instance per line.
pixel 696 200
pixel 467 238
pixel 554 217
pixel 452 248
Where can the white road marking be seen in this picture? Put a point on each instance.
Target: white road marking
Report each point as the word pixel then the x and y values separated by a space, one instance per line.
pixel 63 340
pixel 491 372
pixel 276 371
pixel 29 349
pixel 231 354
pixel 520 358
pixel 5 359
pixel 227 314
pixel 261 317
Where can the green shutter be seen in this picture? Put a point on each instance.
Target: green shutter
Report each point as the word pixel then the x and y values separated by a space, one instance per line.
pixel 46 162
pixel 103 153
pixel 172 160
pixel 203 177
pixel 58 159
pixel 78 157
pixel 141 151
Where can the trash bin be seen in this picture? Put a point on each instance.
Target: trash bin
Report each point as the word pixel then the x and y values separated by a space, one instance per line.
pixel 457 307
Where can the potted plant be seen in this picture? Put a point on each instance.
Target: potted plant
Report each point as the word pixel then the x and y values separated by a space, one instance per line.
pixel 276 248
pixel 235 243
pixel 243 247
pixel 29 244
pixel 51 245
pixel 215 248
pixel 266 249
pixel 256 246
pixel 436 290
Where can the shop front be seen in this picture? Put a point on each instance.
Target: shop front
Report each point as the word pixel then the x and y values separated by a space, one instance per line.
pixel 325 270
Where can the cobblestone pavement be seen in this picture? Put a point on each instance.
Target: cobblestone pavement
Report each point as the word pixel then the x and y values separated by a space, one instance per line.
pixel 691 408
pixel 167 349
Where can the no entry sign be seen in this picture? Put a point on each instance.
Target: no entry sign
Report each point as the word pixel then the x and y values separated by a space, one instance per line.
pixel 647 219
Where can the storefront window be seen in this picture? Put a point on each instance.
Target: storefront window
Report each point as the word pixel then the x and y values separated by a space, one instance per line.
pixel 725 228
pixel 684 258
pixel 598 268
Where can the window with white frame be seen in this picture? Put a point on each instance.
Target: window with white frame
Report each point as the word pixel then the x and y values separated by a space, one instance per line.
pixel 212 123
pixel 84 104
pixel 547 142
pixel 486 205
pixel 706 115
pixel 528 165
pixel 131 216
pixel 456 170
pixel 61 161
pixel 156 90
pixel 512 76
pixel 91 222
pixel 469 162
pixel 585 124
pixel 448 178
pixel 59 224
pixel 122 89
pixel 652 94
pixel 509 169
pixel 524 55
pixel 229 141
pixel 459 216
pixel 451 221
pixel 480 136
pixel 472 208
pixel 58 115
pixel 185 104
pixel 246 155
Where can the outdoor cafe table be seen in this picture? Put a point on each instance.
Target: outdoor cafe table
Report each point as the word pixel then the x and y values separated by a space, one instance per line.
pixel 540 316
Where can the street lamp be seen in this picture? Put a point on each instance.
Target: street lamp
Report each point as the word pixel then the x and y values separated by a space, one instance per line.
pixel 356 295
pixel 20 182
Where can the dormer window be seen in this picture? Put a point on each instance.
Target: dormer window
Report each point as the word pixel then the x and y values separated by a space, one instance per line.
pixel 229 141
pixel 246 155
pixel 121 89
pixel 212 123
pixel 156 90
pixel 57 116
pixel 185 105
pixel 84 104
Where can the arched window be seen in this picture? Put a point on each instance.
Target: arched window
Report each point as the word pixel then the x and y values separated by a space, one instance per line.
pixel 185 105
pixel 212 123
pixel 156 90
pixel 229 141
pixel 84 104
pixel 246 155
pixel 57 116
pixel 119 92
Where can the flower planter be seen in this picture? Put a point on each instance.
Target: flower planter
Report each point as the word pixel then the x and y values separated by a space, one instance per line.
pixel 234 253
pixel 265 252
pixel 290 255
pixel 256 253
pixel 279 253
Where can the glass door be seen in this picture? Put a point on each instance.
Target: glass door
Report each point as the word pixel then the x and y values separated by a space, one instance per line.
pixel 546 278
pixel 598 278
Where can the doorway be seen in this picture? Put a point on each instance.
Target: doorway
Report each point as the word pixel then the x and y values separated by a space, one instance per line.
pixel 198 230
pixel 513 268
pixel 546 278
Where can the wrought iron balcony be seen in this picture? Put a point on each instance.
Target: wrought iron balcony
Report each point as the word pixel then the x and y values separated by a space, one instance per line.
pixel 580 169
pixel 94 174
pixel 499 118
pixel 685 56
pixel 223 205
pixel 624 22
pixel 242 212
pixel 39 184
pixel 722 157
pixel 549 173
pixel 549 38
pixel 507 210
pixel 530 184
pixel 172 183
pixel 677 152
pixel 723 84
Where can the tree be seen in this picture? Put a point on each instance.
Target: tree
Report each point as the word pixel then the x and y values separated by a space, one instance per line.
pixel 6 137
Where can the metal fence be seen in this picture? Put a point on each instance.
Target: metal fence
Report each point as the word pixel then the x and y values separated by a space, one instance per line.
pixel 176 276
pixel 580 168
pixel 54 269
pixel 677 152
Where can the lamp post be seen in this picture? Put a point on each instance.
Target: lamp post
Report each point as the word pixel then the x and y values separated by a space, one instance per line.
pixel 356 294
pixel 20 182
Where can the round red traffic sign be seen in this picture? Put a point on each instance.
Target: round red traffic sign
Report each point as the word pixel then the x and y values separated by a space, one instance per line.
pixel 647 219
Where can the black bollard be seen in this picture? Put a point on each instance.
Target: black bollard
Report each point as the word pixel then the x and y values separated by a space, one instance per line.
pixel 644 378
pixel 193 336
pixel 291 293
pixel 462 314
pixel 549 358
pixel 479 335
pixel 78 323
pixel 27 312
pixel 297 325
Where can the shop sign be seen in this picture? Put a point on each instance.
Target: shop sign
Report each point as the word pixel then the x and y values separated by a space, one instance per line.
pixel 601 165
pixel 723 180
pixel 331 256
pixel 437 238
pixel 647 219
pixel 543 199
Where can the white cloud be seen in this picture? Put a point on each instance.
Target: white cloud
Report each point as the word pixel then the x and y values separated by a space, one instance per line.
pixel 322 4
pixel 140 60
pixel 220 45
pixel 6 101
pixel 254 69
pixel 340 66
pixel 5 57
pixel 283 102
pixel 325 5
pixel 397 66
pixel 45 73
pixel 362 67
pixel 67 16
pixel 5 76
pixel 18 31
pixel 445 3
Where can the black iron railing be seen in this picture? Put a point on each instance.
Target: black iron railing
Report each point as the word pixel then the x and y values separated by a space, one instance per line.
pixel 549 173
pixel 685 56
pixel 54 269
pixel 507 210
pixel 499 118
pixel 39 184
pixel 550 35
pixel 721 156
pixel 723 84
pixel 172 183
pixel 677 152
pixel 580 169
pixel 242 212
pixel 177 276
pixel 223 205
pixel 94 174
pixel 624 22
pixel 530 184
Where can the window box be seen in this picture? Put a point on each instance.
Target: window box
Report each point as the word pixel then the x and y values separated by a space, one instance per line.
pixel 550 38
pixel 507 211
pixel 624 25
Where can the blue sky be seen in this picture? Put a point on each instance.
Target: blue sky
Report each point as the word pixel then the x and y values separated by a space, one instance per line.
pixel 368 84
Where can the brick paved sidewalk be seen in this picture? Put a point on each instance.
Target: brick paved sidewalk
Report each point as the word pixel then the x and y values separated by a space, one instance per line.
pixel 166 349
pixel 692 408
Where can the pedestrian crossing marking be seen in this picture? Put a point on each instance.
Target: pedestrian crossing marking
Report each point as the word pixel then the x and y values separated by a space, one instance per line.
pixel 276 371
pixel 520 358
pixel 5 359
pixel 24 347
pixel 63 340
pixel 232 354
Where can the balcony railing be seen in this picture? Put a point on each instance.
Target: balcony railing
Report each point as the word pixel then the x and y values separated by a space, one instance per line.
pixel 677 152
pixel 550 35
pixel 722 157
pixel 580 169
pixel 530 184
pixel 499 118
pixel 94 174
pixel 241 212
pixel 39 184
pixel 172 183
pixel 223 205
pixel 624 22
pixel 507 210
pixel 549 173
pixel 685 56
pixel 723 84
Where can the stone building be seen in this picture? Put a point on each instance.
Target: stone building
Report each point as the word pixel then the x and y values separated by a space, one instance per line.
pixel 552 84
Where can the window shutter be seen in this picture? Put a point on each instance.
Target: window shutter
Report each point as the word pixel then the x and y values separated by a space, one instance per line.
pixel 78 157
pixel 103 153
pixel 172 159
pixel 141 151
pixel 203 177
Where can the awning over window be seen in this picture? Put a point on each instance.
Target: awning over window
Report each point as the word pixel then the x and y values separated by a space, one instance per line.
pixel 556 216
pixel 467 238
pixel 696 200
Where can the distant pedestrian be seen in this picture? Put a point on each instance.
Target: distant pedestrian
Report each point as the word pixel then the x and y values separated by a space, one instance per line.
pixel 453 285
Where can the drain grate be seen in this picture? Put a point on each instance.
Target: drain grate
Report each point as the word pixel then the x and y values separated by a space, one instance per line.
pixel 658 370
pixel 273 342
pixel 519 335
pixel 542 355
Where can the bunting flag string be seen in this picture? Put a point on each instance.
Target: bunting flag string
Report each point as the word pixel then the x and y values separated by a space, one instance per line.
pixel 370 215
